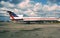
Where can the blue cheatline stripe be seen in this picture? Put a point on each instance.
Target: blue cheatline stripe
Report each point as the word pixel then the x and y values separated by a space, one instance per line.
pixel 14 14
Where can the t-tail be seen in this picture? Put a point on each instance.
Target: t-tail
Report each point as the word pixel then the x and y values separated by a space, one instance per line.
pixel 12 15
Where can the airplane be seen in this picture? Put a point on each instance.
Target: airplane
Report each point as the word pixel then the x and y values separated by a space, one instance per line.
pixel 15 17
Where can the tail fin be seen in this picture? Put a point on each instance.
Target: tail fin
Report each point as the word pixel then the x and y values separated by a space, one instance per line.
pixel 12 15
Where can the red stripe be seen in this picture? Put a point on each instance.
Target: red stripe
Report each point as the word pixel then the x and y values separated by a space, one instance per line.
pixel 12 16
pixel 40 18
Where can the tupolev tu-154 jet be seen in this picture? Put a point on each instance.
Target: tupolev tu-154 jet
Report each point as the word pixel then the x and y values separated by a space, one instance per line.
pixel 15 17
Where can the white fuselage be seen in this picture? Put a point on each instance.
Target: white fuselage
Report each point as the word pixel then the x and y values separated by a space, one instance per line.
pixel 34 18
pixel 38 18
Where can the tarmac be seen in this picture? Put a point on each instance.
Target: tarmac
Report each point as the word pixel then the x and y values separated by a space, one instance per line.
pixel 22 26
pixel 20 30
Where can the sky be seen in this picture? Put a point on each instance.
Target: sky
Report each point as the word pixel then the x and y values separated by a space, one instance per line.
pixel 32 8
